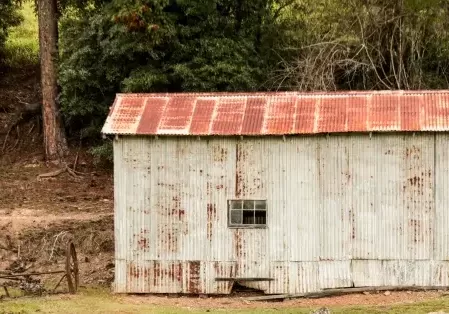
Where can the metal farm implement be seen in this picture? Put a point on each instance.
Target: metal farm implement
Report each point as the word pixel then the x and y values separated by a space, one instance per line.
pixel 26 282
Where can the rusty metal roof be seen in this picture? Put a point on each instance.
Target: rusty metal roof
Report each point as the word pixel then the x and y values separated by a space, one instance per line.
pixel 278 113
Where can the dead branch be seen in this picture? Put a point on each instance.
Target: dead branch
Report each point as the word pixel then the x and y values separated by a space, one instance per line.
pixel 54 243
pixel 76 161
pixel 18 137
pixel 75 174
pixel 51 174
pixel 59 282
pixel 6 139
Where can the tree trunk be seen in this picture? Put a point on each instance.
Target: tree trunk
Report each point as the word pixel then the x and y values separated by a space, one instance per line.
pixel 55 142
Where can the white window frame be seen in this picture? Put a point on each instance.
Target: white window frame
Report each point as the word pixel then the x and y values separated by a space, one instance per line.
pixel 245 207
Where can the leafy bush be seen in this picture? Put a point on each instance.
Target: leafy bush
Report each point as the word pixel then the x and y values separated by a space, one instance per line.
pixel 22 44
pixel 162 46
pixel 9 17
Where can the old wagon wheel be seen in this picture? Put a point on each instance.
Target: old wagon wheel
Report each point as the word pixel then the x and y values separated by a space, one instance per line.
pixel 71 268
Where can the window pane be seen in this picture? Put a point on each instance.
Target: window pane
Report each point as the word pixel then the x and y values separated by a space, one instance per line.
pixel 248 217
pixel 261 204
pixel 236 217
pixel 236 204
pixel 260 217
pixel 248 204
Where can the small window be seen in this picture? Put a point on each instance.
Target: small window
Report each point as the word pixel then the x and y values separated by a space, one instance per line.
pixel 247 213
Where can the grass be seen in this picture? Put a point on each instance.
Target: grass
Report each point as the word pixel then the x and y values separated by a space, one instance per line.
pixel 95 301
pixel 22 45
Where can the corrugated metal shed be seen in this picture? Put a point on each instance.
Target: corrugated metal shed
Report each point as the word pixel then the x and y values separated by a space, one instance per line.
pixel 278 113
pixel 342 210
pixel 345 210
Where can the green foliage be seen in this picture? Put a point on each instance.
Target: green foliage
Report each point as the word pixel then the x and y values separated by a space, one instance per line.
pixel 9 17
pixel 375 44
pixel 102 153
pixel 163 46
pixel 22 45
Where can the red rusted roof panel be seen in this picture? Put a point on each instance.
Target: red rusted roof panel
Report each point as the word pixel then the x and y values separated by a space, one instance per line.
pixel 177 115
pixel 438 111
pixel 152 114
pixel 202 116
pixel 384 112
pixel 410 108
pixel 357 113
pixel 254 115
pixel 278 113
pixel 305 115
pixel 332 115
pixel 281 115
pixel 229 115
pixel 127 113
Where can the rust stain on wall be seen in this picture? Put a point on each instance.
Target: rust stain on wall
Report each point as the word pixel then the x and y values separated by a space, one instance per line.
pixel 352 219
pixel 238 244
pixel 219 154
pixel 135 271
pixel 156 273
pixel 416 226
pixel 142 240
pixel 211 217
pixel 415 181
pixel 172 219
pixel 194 283
pixel 169 237
pixel 172 272
pixel 238 172
pixel 413 152
pixel 209 188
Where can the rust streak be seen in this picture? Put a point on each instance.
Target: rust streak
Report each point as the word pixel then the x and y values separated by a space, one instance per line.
pixel 211 216
pixel 194 277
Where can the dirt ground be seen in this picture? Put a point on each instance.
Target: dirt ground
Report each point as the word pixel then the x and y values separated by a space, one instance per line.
pixel 39 216
pixel 236 301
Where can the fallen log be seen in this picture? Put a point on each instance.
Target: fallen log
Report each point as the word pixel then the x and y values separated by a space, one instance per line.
pixel 343 291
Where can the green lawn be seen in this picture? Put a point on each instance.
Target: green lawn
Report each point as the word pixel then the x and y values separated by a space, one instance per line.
pixel 22 46
pixel 95 301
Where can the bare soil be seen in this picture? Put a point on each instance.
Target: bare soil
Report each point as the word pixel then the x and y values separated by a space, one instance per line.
pixel 236 301
pixel 39 216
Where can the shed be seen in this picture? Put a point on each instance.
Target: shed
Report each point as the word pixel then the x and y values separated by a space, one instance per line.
pixel 284 192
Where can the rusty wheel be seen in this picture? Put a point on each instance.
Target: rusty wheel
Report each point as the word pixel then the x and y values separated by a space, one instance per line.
pixel 71 268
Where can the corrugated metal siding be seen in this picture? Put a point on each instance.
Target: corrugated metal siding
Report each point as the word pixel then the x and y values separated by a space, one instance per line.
pixel 392 273
pixel 393 197
pixel 441 223
pixel 334 176
pixel 342 211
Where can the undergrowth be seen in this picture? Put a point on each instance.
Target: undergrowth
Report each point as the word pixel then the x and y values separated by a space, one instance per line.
pixel 22 45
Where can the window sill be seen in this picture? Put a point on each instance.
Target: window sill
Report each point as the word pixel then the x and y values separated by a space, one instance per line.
pixel 248 227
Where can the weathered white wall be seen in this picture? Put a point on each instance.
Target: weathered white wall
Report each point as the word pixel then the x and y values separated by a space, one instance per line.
pixel 342 210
